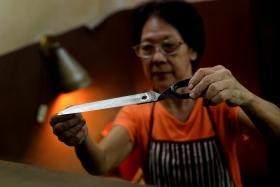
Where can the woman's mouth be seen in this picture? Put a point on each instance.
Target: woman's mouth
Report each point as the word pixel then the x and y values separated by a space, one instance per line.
pixel 160 73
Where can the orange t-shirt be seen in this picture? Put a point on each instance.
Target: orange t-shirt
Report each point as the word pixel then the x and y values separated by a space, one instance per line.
pixel 136 119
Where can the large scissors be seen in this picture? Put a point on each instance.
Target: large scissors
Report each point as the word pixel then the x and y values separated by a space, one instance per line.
pixel 141 98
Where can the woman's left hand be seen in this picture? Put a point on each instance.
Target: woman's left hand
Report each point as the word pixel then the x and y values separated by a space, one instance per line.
pixel 217 84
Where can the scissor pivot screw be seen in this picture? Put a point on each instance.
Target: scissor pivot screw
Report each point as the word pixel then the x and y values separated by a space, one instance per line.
pixel 144 97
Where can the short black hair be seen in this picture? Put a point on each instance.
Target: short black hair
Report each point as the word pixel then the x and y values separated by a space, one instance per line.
pixel 180 14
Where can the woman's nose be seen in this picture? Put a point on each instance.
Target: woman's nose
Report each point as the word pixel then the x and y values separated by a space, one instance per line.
pixel 158 56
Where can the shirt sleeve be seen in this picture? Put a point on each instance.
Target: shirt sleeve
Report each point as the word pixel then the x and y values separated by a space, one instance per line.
pixel 227 117
pixel 233 117
pixel 126 118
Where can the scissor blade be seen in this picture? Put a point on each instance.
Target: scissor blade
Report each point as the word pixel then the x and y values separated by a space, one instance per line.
pixel 111 103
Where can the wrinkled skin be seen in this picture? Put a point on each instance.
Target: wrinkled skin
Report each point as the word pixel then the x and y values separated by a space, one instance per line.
pixel 217 84
pixel 70 129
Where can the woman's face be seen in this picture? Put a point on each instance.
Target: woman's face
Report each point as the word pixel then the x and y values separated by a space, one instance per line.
pixel 168 58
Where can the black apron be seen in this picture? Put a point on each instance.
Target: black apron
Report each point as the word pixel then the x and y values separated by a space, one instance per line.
pixel 191 163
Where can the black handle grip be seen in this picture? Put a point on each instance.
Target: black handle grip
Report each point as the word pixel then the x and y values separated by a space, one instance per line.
pixel 180 84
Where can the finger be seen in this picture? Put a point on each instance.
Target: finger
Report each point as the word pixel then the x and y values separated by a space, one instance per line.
pixel 220 97
pixel 202 87
pixel 218 67
pixel 198 75
pixel 81 136
pixel 215 88
pixel 72 142
pixel 73 131
pixel 67 138
pixel 59 118
pixel 78 139
pixel 61 138
pixel 63 126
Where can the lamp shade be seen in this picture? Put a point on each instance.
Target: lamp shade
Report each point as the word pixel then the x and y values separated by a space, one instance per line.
pixel 71 74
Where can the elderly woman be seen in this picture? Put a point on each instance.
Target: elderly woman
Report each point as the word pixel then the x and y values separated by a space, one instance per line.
pixel 183 142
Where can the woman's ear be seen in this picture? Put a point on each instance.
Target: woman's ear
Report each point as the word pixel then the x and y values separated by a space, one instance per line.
pixel 193 54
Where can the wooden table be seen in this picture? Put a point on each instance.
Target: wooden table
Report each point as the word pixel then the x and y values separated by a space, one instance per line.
pixel 21 175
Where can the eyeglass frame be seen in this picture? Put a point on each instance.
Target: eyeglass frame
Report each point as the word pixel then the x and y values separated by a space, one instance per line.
pixel 161 50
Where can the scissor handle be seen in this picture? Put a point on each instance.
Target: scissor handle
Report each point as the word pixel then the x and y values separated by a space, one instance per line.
pixel 180 84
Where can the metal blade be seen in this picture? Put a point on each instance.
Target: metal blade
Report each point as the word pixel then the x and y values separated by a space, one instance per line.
pixel 145 97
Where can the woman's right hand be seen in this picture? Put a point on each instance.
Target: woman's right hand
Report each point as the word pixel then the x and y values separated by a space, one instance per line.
pixel 70 129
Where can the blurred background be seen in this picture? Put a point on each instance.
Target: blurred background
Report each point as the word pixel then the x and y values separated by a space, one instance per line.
pixel 240 34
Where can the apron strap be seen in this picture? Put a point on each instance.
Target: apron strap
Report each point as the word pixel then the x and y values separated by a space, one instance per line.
pixel 219 144
pixel 151 125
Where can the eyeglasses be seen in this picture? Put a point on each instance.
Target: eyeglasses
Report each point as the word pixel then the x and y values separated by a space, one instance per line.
pixel 146 50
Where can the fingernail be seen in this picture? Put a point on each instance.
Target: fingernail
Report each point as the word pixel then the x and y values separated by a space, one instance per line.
pixel 192 95
pixel 190 86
